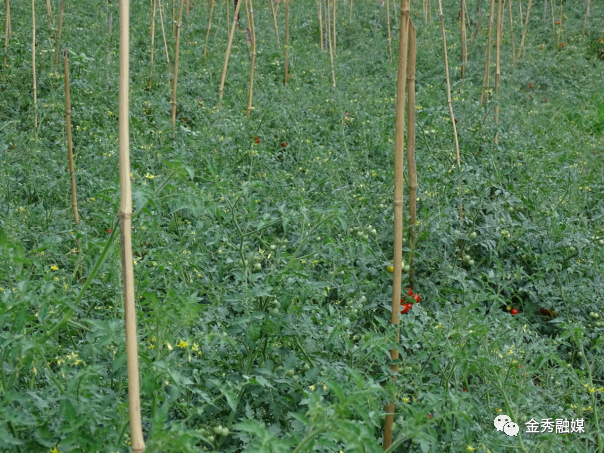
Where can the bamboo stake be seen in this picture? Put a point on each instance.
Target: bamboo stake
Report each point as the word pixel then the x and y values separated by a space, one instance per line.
pixel 425 11
pixel 463 40
pixel 287 41
pixel 152 42
pixel 333 24
pixel 351 11
pixel 227 4
pixel 164 36
pixel 227 54
pixel 176 65
pixel 498 44
pixel 34 66
pixel 449 97
pixel 173 18
pixel 477 28
pixel 389 32
pixel 321 32
pixel 411 158
pixel 560 23
pixel 188 8
pixel 49 13
pixel 58 43
pixel 275 23
pixel 134 404
pixel 109 20
pixel 585 15
pixel 521 48
pixel 7 27
pixel 484 90
pixel 552 13
pixel 468 18
pixel 430 10
pixel 209 28
pixel 70 152
pixel 326 22
pixel 398 204
pixel 512 35
pixel 330 45
pixel 253 59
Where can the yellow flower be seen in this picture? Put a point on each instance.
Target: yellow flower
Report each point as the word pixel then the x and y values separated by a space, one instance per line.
pixel 498 410
pixel 182 344
pixel 406 399
pixel 312 387
pixel 470 448
pixel 54 450
pixel 54 267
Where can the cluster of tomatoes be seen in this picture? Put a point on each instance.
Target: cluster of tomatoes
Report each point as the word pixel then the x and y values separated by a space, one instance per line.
pixel 257 140
pixel 407 306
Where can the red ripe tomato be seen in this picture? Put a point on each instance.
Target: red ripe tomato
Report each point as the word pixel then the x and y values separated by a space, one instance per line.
pixel 409 291
pixel 544 311
pixel 514 312
pixel 256 139
pixel 284 144
pixel 531 85
pixel 406 308
pixel 464 389
pixel 107 230
pixel 429 416
pixel 416 297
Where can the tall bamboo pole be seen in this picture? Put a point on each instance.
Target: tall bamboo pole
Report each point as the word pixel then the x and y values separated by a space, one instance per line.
pixel 498 44
pixel 333 24
pixel 512 35
pixel 109 20
pixel 253 59
pixel 152 42
pixel 176 65
pixel 449 97
pixel 389 32
pixel 58 43
pixel 411 158
pixel 321 32
pixel 227 54
pixel 164 36
pixel 585 16
pixel 560 23
pixel 34 67
pixel 521 48
pixel 70 152
pixel 227 4
pixel 463 40
pixel 134 404
pixel 330 44
pixel 173 12
pixel 287 41
pixel 275 23
pixel 398 203
pixel 49 13
pixel 484 90
pixel 351 11
pixel 552 13
pixel 209 28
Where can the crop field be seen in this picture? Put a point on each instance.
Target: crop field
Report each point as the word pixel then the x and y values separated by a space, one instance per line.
pixel 263 244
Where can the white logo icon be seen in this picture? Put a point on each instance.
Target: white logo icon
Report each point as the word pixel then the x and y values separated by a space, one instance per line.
pixel 500 421
pixel 511 429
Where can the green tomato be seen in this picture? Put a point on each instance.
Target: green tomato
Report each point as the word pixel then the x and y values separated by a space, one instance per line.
pixel 225 431
pixel 273 247
pixel 290 373
pixel 211 438
pixel 473 235
pixel 258 267
pixel 218 430
pixel 306 367
pixel 471 262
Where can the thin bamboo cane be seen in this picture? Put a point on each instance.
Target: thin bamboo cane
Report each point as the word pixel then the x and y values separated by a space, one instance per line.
pixel 389 32
pixel 585 16
pixel 152 42
pixel 333 24
pixel 552 13
pixel 173 17
pixel 227 4
pixel 468 19
pixel 176 65
pixel 134 404
pixel 463 41
pixel 321 32
pixel 327 32
pixel 449 97
pixel 227 54
pixel 253 60
pixel 497 79
pixel 477 28
pixel 398 204
pixel 7 27
pixel 58 43
pixel 247 14
pixel 521 48
pixel 70 152
pixel 287 41
pixel 351 11
pixel 484 90
pixel 164 36
pixel 109 20
pixel 512 35
pixel 425 11
pixel 330 45
pixel 49 13
pixel 560 23
pixel 209 28
pixel 411 149
pixel 34 66
pixel 430 10
pixel 275 23
pixel 188 8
